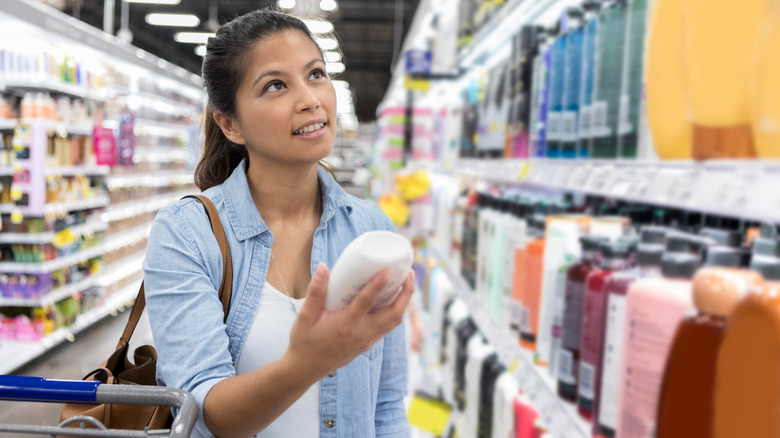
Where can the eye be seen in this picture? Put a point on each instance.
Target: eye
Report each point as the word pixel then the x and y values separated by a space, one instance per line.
pixel 317 73
pixel 274 86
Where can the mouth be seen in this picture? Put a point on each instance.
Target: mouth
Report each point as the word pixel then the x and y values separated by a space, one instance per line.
pixel 311 128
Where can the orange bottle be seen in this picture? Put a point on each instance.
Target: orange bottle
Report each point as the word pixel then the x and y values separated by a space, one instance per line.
pixel 747 388
pixel 531 294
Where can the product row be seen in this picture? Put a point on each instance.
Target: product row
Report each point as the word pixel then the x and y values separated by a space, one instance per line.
pixel 627 313
pixel 43 106
pixel 619 79
pixel 27 286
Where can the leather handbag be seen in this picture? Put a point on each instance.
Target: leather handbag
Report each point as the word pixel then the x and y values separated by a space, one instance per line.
pixel 118 369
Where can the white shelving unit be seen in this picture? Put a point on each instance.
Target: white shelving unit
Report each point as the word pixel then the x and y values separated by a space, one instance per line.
pixel 156 179
pixel 53 265
pixel 129 209
pixel 82 204
pixel 17 353
pixel 65 171
pixel 743 189
pixel 48 237
pixel 71 90
pixel 560 416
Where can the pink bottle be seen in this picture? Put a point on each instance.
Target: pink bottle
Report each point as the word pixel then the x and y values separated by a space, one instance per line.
pixel 649 252
pixel 614 257
pixel 654 308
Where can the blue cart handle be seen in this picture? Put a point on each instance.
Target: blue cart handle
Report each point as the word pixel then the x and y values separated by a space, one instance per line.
pixel 25 388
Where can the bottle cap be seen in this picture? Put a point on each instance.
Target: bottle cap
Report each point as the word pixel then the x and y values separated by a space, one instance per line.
pixel 649 255
pixel 683 255
pixel 722 237
pixel 614 250
pixel 591 243
pixel 653 234
pixel 717 290
pixel 727 257
pixel 766 246
pixel 767 266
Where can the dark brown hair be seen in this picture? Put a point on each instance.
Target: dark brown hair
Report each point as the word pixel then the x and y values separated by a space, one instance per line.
pixel 223 71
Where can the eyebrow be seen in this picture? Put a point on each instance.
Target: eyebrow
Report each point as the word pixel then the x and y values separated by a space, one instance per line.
pixel 281 73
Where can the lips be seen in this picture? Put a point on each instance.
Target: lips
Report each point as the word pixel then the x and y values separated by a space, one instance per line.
pixel 310 126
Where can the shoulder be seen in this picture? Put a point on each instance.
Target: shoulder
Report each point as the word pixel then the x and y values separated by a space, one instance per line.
pixel 366 214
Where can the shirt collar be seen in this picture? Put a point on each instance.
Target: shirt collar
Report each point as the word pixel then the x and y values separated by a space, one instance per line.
pixel 246 220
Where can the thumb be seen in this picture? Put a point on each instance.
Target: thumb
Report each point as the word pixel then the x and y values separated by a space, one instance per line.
pixel 315 294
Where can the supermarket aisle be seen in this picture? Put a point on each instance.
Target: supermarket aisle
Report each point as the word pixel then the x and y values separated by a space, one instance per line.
pixel 71 361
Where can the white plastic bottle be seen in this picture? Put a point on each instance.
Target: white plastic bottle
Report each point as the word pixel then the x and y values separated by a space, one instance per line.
pixel 361 260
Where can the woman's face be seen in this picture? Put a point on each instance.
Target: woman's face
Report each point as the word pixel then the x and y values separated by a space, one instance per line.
pixel 286 104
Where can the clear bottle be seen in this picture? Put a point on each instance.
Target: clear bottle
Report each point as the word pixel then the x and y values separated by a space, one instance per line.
pixel 575 37
pixel 631 99
pixel 589 59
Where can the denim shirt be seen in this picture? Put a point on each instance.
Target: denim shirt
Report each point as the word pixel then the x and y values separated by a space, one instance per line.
pixel 183 270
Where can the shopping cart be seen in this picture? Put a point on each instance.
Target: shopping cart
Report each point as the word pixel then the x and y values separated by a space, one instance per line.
pixel 38 389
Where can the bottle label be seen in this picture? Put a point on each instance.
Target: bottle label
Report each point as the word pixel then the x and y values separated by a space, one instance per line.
pixel 585 122
pixel 599 127
pixel 525 320
pixel 624 124
pixel 516 319
pixel 553 125
pixel 613 354
pixel 568 126
pixel 566 371
pixel 587 381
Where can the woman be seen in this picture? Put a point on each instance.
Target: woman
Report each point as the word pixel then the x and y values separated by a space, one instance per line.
pixel 280 366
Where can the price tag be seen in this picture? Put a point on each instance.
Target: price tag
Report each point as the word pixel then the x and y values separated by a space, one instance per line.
pixel 568 122
pixel 598 180
pixel 568 175
pixel 553 125
pixel 16 194
pixel 584 132
pixel 581 175
pixel 524 172
pixel 599 127
pixel 621 182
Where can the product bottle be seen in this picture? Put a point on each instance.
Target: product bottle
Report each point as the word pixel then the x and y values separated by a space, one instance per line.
pixel 576 277
pixel 555 109
pixel 765 91
pixel 562 244
pixel 747 399
pixel 685 406
pixel 766 258
pixel 654 308
pixel 516 241
pixel 614 258
pixel 505 394
pixel 542 84
pixel 606 91
pixel 456 314
pixel 479 354
pixel 532 290
pixel 467 335
pixel 718 73
pixel 631 99
pixel 498 251
pixel 668 107
pixel 571 84
pixel 648 259
pixel 589 59
pixel 486 218
pixel 525 418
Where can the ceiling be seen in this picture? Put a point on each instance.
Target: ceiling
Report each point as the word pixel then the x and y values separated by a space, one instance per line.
pixel 365 29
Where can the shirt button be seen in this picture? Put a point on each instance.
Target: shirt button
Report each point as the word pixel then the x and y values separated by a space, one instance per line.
pixel 332 374
pixel 330 423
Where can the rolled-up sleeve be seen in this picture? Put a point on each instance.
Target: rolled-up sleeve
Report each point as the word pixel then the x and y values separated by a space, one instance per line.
pixel 185 313
pixel 390 419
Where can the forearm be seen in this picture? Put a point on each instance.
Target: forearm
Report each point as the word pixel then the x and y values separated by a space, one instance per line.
pixel 243 405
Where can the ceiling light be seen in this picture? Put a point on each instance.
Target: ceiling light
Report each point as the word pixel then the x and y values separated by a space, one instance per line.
pixel 181 20
pixel 200 50
pixel 319 26
pixel 332 56
pixel 156 2
pixel 286 4
pixel 327 43
pixel 329 5
pixel 335 67
pixel 161 63
pixel 192 37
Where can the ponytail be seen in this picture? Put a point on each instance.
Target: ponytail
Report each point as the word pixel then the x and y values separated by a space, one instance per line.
pixel 220 155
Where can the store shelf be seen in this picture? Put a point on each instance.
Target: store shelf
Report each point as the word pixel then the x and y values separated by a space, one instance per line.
pixel 48 237
pixel 54 208
pixel 129 209
pixel 742 189
pixel 8 124
pixel 53 296
pixel 161 129
pixel 128 237
pixel 52 265
pixel 164 104
pixel 17 353
pixel 559 416
pixel 155 179
pixel 161 155
pixel 51 87
pixel 65 170
pixel 122 269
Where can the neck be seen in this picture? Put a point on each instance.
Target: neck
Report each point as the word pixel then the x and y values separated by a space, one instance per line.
pixel 284 195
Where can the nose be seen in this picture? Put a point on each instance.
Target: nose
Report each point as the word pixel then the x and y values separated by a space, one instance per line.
pixel 307 100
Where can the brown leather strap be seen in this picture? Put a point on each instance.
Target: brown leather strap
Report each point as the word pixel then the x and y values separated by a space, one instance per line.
pixel 225 286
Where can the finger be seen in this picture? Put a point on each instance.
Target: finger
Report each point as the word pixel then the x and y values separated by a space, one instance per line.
pixel 394 312
pixel 314 303
pixel 367 295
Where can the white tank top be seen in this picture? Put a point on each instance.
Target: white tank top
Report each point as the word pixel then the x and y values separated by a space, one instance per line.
pixel 268 339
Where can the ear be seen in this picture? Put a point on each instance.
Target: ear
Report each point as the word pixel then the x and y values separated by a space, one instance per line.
pixel 229 127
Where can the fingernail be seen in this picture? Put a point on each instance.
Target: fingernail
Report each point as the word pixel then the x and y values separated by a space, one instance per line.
pixel 319 272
